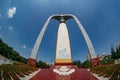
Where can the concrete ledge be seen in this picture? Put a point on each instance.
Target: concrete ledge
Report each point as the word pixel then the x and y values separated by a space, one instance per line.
pixel 98 77
pixel 32 62
pixel 30 75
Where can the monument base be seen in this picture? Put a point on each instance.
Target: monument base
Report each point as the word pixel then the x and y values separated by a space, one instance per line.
pixel 95 62
pixel 63 63
pixel 32 62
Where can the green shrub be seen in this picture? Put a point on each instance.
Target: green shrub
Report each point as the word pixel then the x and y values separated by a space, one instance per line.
pixel 0 73
pixel 42 64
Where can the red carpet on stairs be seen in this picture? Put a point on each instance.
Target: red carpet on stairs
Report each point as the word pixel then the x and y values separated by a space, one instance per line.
pixel 79 74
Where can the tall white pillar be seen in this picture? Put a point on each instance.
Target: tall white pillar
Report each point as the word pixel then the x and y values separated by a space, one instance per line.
pixel 63 50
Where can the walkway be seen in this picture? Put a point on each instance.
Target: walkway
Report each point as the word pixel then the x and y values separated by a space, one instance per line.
pixel 79 74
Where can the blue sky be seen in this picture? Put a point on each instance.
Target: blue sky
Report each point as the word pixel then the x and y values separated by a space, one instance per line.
pixel 22 20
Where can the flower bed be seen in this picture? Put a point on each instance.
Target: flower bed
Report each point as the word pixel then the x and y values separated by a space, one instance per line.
pixel 110 71
pixel 9 72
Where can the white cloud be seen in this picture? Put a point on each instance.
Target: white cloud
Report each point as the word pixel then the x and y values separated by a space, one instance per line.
pixel 24 46
pixel 11 12
pixel 25 56
pixel 0 27
pixel 0 15
pixel 10 28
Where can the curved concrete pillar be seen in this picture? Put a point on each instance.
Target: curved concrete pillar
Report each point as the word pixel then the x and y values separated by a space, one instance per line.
pixel 86 38
pixel 39 39
pixel 93 55
pixel 32 59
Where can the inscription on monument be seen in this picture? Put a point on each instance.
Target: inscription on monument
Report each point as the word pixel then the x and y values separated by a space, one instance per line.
pixel 64 53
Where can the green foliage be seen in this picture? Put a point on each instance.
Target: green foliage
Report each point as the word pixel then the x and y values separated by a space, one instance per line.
pixel 107 60
pixel 77 63
pixel 7 70
pixel 115 52
pixel 111 71
pixel 42 64
pixel 86 64
pixel 9 53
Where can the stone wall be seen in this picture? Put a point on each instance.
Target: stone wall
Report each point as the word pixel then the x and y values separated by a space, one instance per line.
pixel 4 60
pixel 117 61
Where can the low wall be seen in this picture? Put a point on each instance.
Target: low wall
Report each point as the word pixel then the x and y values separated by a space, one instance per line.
pixel 117 61
pixel 4 60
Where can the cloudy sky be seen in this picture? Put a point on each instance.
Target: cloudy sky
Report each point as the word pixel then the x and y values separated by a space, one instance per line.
pixel 22 20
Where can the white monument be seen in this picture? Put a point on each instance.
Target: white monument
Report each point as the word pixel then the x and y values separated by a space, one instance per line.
pixel 63 50
pixel 65 17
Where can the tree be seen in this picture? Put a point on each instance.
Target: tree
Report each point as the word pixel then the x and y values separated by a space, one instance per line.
pixel 106 60
pixel 118 51
pixel 77 63
pixel 10 53
pixel 42 64
pixel 86 64
pixel 115 53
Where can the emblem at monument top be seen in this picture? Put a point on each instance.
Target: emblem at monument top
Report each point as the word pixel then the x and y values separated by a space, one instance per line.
pixel 63 50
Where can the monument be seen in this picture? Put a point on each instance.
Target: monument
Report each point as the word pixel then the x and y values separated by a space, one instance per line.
pixel 63 50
